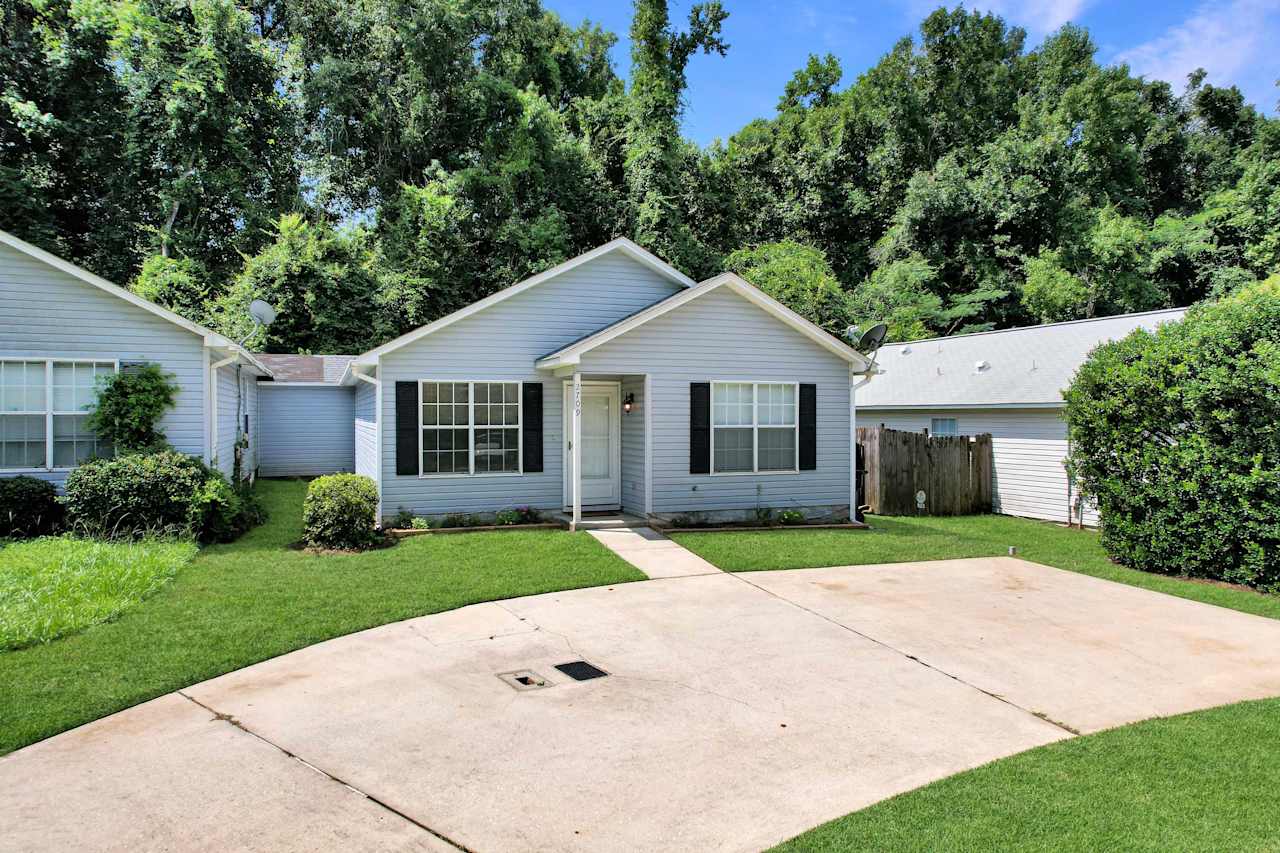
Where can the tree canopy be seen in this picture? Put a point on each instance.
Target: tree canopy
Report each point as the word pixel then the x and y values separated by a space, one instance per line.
pixel 402 158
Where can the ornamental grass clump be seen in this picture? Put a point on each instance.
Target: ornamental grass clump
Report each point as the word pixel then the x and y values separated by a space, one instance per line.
pixel 1176 435
pixel 340 512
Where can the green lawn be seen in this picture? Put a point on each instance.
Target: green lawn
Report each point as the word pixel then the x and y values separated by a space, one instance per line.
pixel 257 598
pixel 1202 781
pixel 897 540
pixel 56 585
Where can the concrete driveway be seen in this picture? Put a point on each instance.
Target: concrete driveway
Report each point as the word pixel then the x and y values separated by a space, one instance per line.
pixel 737 711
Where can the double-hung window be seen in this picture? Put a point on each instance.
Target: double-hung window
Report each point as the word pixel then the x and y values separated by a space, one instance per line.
pixel 944 426
pixel 754 427
pixel 44 407
pixel 470 428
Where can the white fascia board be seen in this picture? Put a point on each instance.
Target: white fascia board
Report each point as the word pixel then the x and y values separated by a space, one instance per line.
pixel 299 385
pixel 621 244
pixel 211 338
pixel 572 354
pixel 919 407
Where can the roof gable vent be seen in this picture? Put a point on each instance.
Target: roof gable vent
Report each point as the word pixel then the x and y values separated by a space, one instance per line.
pixel 982 364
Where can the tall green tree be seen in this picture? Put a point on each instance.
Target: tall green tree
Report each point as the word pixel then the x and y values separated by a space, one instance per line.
pixel 659 57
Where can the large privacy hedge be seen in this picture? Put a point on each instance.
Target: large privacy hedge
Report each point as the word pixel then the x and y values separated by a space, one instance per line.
pixel 1176 435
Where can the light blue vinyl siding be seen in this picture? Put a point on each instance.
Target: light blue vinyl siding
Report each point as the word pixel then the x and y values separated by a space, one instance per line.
pixel 229 426
pixel 722 337
pixel 46 313
pixel 366 429
pixel 305 431
pixel 633 447
pixel 502 343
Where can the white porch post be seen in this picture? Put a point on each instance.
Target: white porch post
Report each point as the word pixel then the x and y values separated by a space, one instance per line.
pixel 576 451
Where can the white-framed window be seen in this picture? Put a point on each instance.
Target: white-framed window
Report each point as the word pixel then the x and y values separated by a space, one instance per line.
pixel 755 427
pixel 943 426
pixel 469 428
pixel 43 412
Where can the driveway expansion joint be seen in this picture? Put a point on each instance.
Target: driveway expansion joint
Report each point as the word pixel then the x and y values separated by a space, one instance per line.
pixel 232 721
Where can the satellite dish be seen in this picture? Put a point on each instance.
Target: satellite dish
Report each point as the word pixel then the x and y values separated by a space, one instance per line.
pixel 262 312
pixel 872 338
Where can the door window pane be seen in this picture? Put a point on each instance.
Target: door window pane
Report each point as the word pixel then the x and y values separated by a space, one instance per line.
pixel 597 437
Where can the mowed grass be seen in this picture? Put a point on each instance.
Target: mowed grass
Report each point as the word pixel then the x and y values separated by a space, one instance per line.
pixel 1202 781
pixel 256 598
pixel 903 539
pixel 53 586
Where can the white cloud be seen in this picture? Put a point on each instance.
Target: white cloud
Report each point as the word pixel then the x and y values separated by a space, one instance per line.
pixel 1233 41
pixel 1037 17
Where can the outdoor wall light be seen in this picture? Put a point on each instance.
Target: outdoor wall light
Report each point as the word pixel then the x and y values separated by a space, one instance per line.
pixel 628 403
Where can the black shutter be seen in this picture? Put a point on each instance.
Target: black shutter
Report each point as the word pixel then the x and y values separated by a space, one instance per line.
pixel 407 461
pixel 808 427
pixel 531 416
pixel 699 427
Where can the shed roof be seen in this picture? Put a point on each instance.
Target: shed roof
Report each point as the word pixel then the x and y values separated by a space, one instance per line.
pixel 288 367
pixel 1020 367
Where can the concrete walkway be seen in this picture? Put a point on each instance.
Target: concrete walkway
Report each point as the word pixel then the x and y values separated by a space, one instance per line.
pixel 652 553
pixel 737 711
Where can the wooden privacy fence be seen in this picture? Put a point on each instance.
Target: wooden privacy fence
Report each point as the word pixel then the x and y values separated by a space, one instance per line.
pixel 954 472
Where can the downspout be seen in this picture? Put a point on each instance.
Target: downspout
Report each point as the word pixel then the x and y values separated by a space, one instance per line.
pixel 854 385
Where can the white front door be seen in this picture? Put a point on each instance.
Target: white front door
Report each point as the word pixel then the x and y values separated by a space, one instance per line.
pixel 601 446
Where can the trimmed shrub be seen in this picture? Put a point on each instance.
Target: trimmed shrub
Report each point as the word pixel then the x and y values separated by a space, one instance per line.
pixel 129 407
pixel 166 492
pixel 28 507
pixel 1176 435
pixel 791 517
pixel 507 517
pixel 340 512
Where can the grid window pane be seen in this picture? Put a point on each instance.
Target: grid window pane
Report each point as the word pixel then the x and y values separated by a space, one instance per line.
pixel 734 450
pixel 496 451
pixel 944 426
pixel 777 405
pixel 777 449
pixel 731 403
pixel 74 442
pixel 470 427
pixel 22 441
pixel 22 386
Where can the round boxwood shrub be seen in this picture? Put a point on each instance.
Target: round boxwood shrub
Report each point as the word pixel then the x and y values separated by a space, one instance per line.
pixel 28 507
pixel 340 511
pixel 165 492
pixel 1176 435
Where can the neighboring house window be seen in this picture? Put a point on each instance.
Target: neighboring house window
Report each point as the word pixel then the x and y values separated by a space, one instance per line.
pixel 944 426
pixel 754 427
pixel 43 412
pixel 470 428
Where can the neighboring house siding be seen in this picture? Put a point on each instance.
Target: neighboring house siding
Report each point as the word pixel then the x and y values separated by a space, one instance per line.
pixel 1028 449
pixel 366 430
pixel 502 343
pixel 47 313
pixel 305 431
pixel 633 447
pixel 722 336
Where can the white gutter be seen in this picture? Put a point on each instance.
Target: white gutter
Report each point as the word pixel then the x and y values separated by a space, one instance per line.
pixel 854 385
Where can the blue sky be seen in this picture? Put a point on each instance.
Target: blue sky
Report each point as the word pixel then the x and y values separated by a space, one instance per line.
pixel 1237 41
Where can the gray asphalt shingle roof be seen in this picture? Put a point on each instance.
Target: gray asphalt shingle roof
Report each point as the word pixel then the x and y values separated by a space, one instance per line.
pixel 1030 365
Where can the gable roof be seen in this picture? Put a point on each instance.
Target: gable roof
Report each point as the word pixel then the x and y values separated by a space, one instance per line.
pixel 620 244
pixel 1027 367
pixel 572 353
pixel 317 369
pixel 211 338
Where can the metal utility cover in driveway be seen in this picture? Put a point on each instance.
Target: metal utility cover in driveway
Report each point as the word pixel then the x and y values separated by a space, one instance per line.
pixel 580 670
pixel 739 711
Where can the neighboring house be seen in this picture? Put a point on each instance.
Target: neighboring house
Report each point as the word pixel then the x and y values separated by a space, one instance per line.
pixel 306 416
pixel 1006 383
pixel 672 398
pixel 61 327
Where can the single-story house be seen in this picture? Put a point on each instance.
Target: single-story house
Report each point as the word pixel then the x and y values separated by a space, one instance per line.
pixel 1009 384
pixel 672 398
pixel 611 382
pixel 61 327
